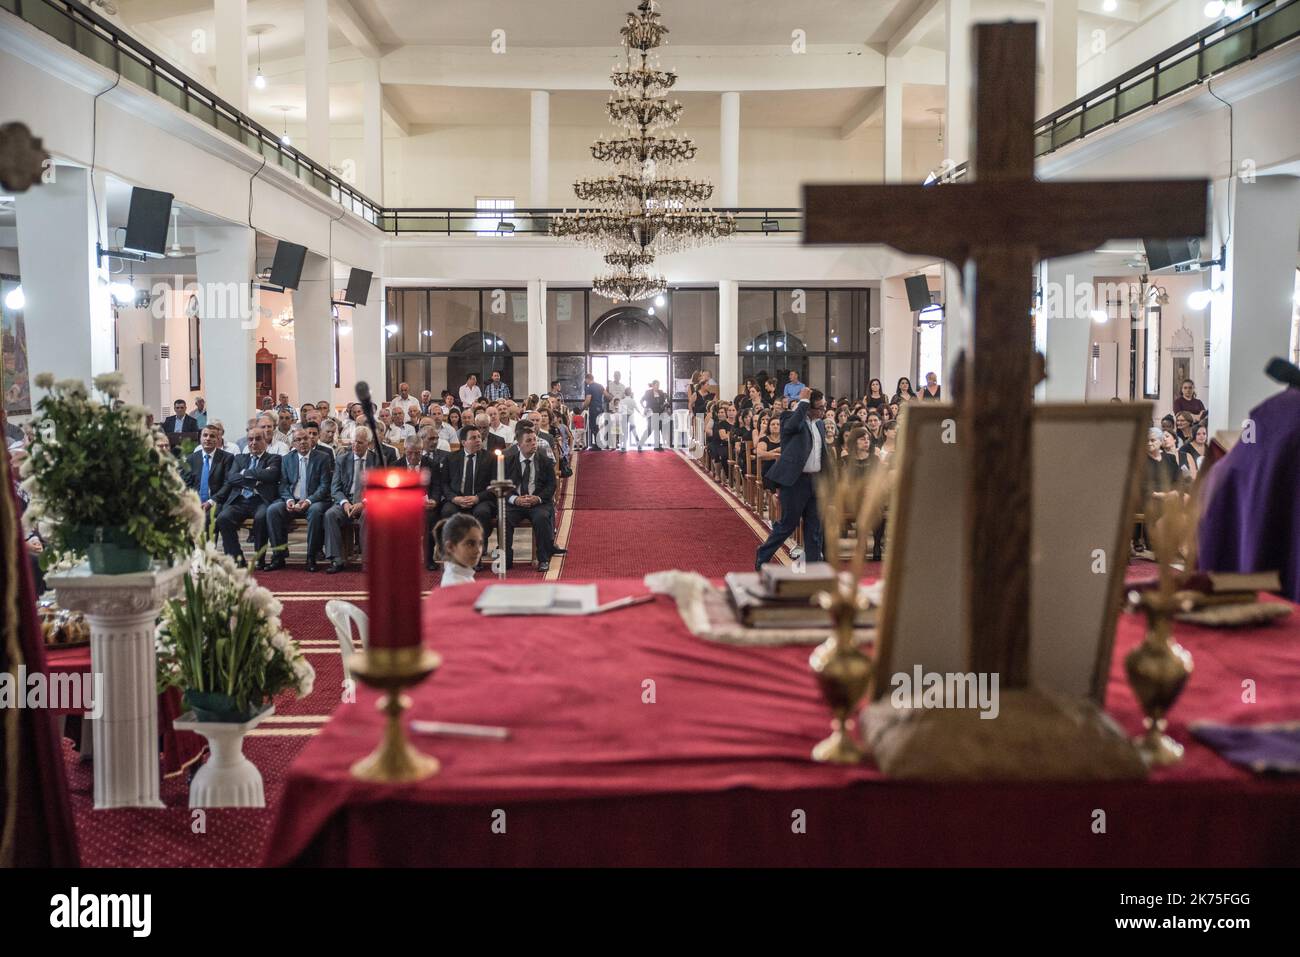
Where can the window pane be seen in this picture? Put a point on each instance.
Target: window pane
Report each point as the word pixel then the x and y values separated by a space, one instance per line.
pixel 802 313
pixel 453 314
pixel 413 335
pixel 566 320
pixel 683 368
pixel 415 373
pixel 570 370
pixel 847 321
pixel 627 326
pixel 438 376
pixel 841 381
pixel 755 307
pixel 505 315
pixel 813 372
pixel 695 320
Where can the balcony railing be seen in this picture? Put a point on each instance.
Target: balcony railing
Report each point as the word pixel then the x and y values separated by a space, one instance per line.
pixel 453 221
pixel 1208 53
pixel 1217 48
pixel 79 27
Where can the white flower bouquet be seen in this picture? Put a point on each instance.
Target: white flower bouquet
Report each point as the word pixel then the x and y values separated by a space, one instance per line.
pixel 223 643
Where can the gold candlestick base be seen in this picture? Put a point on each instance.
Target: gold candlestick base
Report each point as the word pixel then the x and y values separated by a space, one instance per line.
pixel 843 673
pixel 1158 670
pixel 394 761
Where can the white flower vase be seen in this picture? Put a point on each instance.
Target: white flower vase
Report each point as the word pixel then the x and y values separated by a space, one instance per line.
pixel 228 779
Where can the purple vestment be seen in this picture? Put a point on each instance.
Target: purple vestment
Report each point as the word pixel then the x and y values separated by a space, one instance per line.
pixel 1251 516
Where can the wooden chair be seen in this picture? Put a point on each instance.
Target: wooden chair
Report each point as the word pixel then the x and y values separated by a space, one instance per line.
pixel 753 490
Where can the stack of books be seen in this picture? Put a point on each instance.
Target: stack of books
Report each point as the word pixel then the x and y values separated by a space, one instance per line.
pixel 784 597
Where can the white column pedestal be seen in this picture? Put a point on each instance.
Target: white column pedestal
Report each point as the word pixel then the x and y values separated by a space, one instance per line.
pixel 227 779
pixel 122 611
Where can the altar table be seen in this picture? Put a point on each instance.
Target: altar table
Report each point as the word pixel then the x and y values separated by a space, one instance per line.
pixel 634 743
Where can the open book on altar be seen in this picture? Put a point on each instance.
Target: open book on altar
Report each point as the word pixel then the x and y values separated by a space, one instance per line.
pixel 538 600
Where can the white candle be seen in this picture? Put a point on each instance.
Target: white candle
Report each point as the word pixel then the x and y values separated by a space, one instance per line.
pixel 501 467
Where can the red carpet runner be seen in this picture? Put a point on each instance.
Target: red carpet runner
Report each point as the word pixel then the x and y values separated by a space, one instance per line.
pixel 639 512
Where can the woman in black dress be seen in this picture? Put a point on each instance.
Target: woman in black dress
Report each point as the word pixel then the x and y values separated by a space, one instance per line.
pixel 875 429
pixel 875 398
pixel 769 450
pixel 931 391
pixel 903 393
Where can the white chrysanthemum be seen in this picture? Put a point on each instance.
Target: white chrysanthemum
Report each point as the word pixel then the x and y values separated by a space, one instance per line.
pixel 280 642
pixel 44 380
pixel 110 383
pixel 72 388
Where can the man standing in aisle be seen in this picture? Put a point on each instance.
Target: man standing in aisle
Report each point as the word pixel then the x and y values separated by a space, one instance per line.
pixel 593 407
pixel 655 404
pixel 803 451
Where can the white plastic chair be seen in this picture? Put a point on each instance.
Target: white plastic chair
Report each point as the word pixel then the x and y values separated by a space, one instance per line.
pixel 343 615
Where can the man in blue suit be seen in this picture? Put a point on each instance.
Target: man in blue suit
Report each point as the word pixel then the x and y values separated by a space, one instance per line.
pixel 306 475
pixel 803 457
pixel 252 484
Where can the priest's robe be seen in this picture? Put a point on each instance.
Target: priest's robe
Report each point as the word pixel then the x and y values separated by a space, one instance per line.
pixel 1251 516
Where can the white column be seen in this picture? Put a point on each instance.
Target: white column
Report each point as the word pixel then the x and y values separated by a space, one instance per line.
pixel 316 63
pixel 121 611
pixel 539 151
pixel 228 319
pixel 68 315
pixel 1063 332
pixel 372 133
pixel 231 24
pixel 897 334
pixel 893 120
pixel 538 366
pixel 1060 54
pixel 956 114
pixel 729 139
pixel 368 340
pixel 956 318
pixel 728 338
pixel 1251 318
pixel 313 330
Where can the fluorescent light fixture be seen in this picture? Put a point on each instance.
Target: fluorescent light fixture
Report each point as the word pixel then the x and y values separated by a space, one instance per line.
pixel 14 299
pixel 1099 316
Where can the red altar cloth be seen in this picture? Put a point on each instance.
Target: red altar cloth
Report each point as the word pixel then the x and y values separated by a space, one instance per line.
pixel 714 770
pixel 178 747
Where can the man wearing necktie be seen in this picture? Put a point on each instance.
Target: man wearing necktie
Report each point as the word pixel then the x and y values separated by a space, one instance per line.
pixel 469 471
pixel 306 475
pixel 207 466
pixel 534 476
pixel 251 485
pixel 348 494
pixel 804 454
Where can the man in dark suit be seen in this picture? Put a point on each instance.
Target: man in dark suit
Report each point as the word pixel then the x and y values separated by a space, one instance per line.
pixel 656 404
pixel 252 484
pixel 534 476
pixel 208 465
pixel 804 454
pixel 348 493
pixel 306 475
pixel 469 471
pixel 423 455
pixel 180 422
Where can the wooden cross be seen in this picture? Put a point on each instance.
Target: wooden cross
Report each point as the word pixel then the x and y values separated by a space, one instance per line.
pixel 1001 225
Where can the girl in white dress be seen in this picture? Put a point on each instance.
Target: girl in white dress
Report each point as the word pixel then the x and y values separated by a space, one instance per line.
pixel 459 545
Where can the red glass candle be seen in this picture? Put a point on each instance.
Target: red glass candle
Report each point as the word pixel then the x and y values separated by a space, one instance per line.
pixel 394 532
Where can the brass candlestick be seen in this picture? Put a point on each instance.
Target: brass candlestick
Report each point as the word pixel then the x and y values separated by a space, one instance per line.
pixel 843 673
pixel 1158 670
pixel 501 488
pixel 1159 667
pixel 394 761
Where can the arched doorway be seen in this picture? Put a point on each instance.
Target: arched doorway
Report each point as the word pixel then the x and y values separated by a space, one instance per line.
pixel 632 342
pixel 481 353
pixel 773 355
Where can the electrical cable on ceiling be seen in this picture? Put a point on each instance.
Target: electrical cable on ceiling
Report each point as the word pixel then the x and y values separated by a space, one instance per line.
pixel 250 191
pixel 94 143
pixel 1232 159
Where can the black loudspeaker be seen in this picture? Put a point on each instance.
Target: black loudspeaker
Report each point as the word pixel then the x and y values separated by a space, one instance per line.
pixel 918 292
pixel 1163 253
pixel 358 287
pixel 147 221
pixel 286 268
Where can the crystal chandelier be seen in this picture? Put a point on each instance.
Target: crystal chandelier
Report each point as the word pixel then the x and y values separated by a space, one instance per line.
pixel 642 209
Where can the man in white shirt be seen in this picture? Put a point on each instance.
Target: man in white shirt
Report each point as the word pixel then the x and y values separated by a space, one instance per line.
pixel 273 445
pixel 499 428
pixel 230 447
pixel 284 427
pixel 446 434
pixel 400 430
pixel 470 392
pixel 405 401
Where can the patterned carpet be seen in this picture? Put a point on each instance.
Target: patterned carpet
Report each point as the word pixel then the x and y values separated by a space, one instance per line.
pixel 621 514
